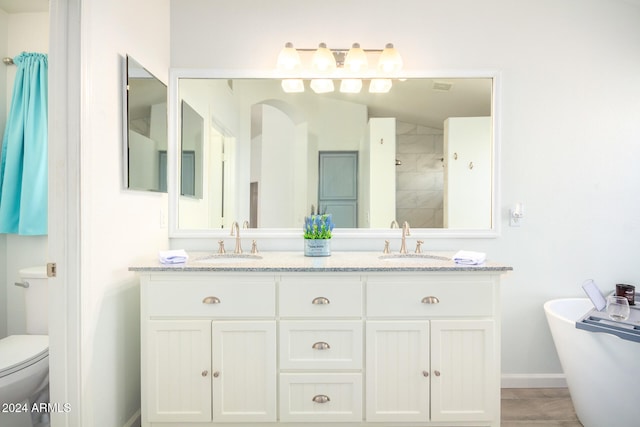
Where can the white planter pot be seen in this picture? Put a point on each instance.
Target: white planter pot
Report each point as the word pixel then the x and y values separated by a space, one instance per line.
pixel 317 247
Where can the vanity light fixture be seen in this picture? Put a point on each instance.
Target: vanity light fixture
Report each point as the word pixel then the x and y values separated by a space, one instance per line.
pixel 292 85
pixel 356 59
pixel 344 64
pixel 350 85
pixel 390 60
pixel 380 85
pixel 289 59
pixel 322 85
pixel 323 60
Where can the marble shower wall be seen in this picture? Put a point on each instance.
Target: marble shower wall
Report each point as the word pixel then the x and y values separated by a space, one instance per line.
pixel 420 177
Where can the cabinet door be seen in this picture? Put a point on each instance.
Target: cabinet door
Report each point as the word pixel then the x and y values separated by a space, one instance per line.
pixel 463 366
pixel 397 371
pixel 244 370
pixel 178 371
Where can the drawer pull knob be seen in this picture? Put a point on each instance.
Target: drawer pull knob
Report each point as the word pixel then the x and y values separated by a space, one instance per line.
pixel 425 373
pixel 430 300
pixel 211 300
pixel 216 374
pixel 436 373
pixel 321 398
pixel 321 345
pixel 320 301
pixel 205 373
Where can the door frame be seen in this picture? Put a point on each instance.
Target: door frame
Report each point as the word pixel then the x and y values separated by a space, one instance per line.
pixel 65 118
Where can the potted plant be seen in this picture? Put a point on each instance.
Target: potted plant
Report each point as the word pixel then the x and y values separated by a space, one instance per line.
pixel 317 234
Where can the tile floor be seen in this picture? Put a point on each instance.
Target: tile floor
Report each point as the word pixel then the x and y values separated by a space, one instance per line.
pixel 536 407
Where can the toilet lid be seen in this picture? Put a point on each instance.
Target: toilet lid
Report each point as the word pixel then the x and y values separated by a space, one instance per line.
pixel 20 351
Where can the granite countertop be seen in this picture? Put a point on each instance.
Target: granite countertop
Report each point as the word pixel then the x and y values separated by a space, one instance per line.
pixel 338 262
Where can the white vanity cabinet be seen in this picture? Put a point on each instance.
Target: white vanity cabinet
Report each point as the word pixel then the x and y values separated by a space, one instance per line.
pixel 321 348
pixel 431 351
pixel 357 348
pixel 208 348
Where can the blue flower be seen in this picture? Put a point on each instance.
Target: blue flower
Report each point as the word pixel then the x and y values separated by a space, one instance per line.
pixel 318 226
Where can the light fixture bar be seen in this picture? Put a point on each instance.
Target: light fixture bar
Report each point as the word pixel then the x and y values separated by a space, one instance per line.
pixel 345 50
pixel 348 65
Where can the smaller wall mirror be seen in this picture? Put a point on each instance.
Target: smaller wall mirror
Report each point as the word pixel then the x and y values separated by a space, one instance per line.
pixel 145 129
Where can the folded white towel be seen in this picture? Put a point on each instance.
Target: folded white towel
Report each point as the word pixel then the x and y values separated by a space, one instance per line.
pixel 469 257
pixel 175 256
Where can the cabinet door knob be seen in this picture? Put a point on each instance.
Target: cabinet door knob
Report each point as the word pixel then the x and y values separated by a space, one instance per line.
pixel 205 373
pixel 321 345
pixel 320 301
pixel 436 373
pixel 425 373
pixel 211 300
pixel 321 398
pixel 216 374
pixel 430 300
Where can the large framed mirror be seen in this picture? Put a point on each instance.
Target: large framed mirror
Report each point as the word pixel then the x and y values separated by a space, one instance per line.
pixel 425 152
pixel 144 129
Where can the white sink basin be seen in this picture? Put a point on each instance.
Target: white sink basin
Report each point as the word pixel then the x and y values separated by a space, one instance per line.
pixel 228 258
pixel 413 258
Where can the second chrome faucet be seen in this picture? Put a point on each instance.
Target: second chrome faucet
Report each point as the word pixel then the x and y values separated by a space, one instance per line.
pixel 235 231
pixel 406 231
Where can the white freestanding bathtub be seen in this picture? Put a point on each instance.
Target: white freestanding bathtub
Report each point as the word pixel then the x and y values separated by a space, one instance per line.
pixel 602 370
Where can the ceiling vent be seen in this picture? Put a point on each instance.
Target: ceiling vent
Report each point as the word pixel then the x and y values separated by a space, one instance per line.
pixel 442 86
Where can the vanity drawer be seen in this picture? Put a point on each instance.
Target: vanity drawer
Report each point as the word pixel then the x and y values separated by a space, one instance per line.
pixel 321 397
pixel 227 299
pixel 416 299
pixel 325 296
pixel 321 345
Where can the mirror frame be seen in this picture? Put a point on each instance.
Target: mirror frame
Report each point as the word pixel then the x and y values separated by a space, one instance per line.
pixel 175 74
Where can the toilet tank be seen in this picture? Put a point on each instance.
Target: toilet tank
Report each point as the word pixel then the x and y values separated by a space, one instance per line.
pixel 36 299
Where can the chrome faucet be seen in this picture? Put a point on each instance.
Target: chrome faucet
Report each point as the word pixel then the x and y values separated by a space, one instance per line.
pixel 235 231
pixel 406 231
pixel 245 224
pixel 394 224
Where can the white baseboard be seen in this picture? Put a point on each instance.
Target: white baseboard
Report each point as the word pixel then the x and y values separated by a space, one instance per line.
pixel 134 421
pixel 533 381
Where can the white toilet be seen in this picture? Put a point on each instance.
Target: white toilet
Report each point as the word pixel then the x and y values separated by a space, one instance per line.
pixel 24 359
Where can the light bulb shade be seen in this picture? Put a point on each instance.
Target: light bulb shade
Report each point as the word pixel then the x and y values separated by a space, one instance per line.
pixel 292 85
pixel 288 58
pixel 356 59
pixel 380 85
pixel 322 85
pixel 390 60
pixel 323 60
pixel 350 85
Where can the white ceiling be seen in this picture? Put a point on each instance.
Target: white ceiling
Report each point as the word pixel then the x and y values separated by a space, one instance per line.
pixel 419 100
pixel 24 6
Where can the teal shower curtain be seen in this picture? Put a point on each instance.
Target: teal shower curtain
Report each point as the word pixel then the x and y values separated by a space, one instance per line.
pixel 23 166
